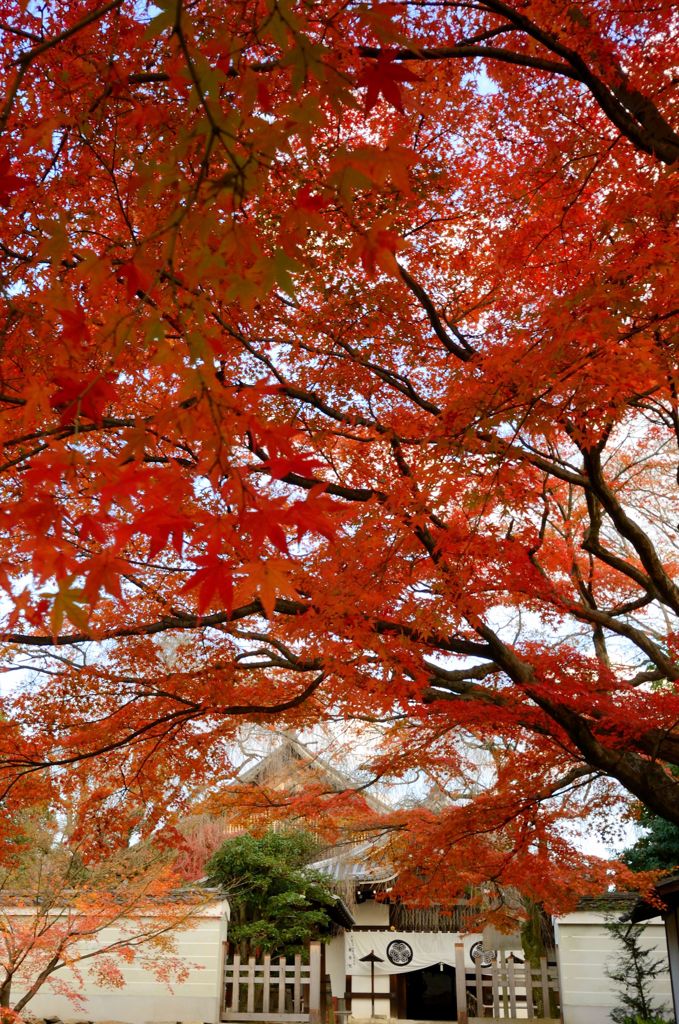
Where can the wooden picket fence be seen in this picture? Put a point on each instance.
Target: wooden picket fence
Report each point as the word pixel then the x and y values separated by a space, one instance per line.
pixel 273 991
pixel 509 991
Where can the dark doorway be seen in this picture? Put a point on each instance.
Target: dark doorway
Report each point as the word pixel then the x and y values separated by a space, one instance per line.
pixel 430 993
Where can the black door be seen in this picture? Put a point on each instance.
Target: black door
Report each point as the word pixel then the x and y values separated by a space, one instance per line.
pixel 430 993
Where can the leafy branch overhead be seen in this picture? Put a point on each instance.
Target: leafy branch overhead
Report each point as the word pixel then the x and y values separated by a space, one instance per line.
pixel 338 383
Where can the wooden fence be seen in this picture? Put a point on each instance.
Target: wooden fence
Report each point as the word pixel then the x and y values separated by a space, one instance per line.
pixel 506 990
pixel 273 991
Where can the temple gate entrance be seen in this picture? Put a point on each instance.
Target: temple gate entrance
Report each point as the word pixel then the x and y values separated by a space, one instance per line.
pixel 430 993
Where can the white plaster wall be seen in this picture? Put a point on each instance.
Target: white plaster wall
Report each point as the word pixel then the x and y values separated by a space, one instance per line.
pixel 335 965
pixel 144 999
pixel 371 914
pixel 585 949
pixel 361 1007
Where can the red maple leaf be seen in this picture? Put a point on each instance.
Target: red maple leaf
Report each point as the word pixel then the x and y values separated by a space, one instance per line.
pixel 136 278
pixel 265 525
pixel 75 327
pixel 10 183
pixel 311 516
pixel 92 526
pixel 102 573
pixel 214 578
pixel 77 395
pixel 280 466
pixel 162 527
pixel 306 199
pixel 381 77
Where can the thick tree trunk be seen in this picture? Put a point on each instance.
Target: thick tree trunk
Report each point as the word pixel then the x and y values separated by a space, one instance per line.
pixel 5 992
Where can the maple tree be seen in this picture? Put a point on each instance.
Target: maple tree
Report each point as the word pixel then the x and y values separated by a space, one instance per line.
pixel 338 381
pixel 72 906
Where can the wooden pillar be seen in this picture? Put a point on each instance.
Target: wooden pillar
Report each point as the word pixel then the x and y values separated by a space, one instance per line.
pixel 347 994
pixel 544 982
pixel 297 985
pixel 461 984
pixel 326 994
pixel 224 976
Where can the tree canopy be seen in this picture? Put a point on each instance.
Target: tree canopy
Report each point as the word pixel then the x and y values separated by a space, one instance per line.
pixel 278 903
pixel 657 849
pixel 338 381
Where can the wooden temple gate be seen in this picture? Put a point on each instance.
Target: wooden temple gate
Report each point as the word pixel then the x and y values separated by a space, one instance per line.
pixel 290 990
pixel 506 990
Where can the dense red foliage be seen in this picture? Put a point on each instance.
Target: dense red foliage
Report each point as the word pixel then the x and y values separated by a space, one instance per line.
pixel 338 381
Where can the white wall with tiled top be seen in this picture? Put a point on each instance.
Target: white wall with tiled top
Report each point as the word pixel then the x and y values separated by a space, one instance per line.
pixel 143 998
pixel 585 950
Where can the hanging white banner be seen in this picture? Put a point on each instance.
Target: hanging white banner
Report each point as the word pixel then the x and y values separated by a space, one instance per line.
pixel 400 952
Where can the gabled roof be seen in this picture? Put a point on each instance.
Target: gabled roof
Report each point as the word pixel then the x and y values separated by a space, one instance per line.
pixel 290 753
pixel 360 864
pixel 292 764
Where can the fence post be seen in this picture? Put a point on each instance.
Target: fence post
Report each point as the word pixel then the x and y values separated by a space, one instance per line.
pixel 496 988
pixel 225 963
pixel 297 989
pixel 511 984
pixel 315 983
pixel 555 1008
pixel 479 989
pixel 281 984
pixel 251 985
pixel 235 987
pixel 528 971
pixel 266 984
pixel 461 984
pixel 504 984
pixel 544 978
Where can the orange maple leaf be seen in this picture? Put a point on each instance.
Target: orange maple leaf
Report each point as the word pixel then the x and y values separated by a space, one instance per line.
pixel 270 580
